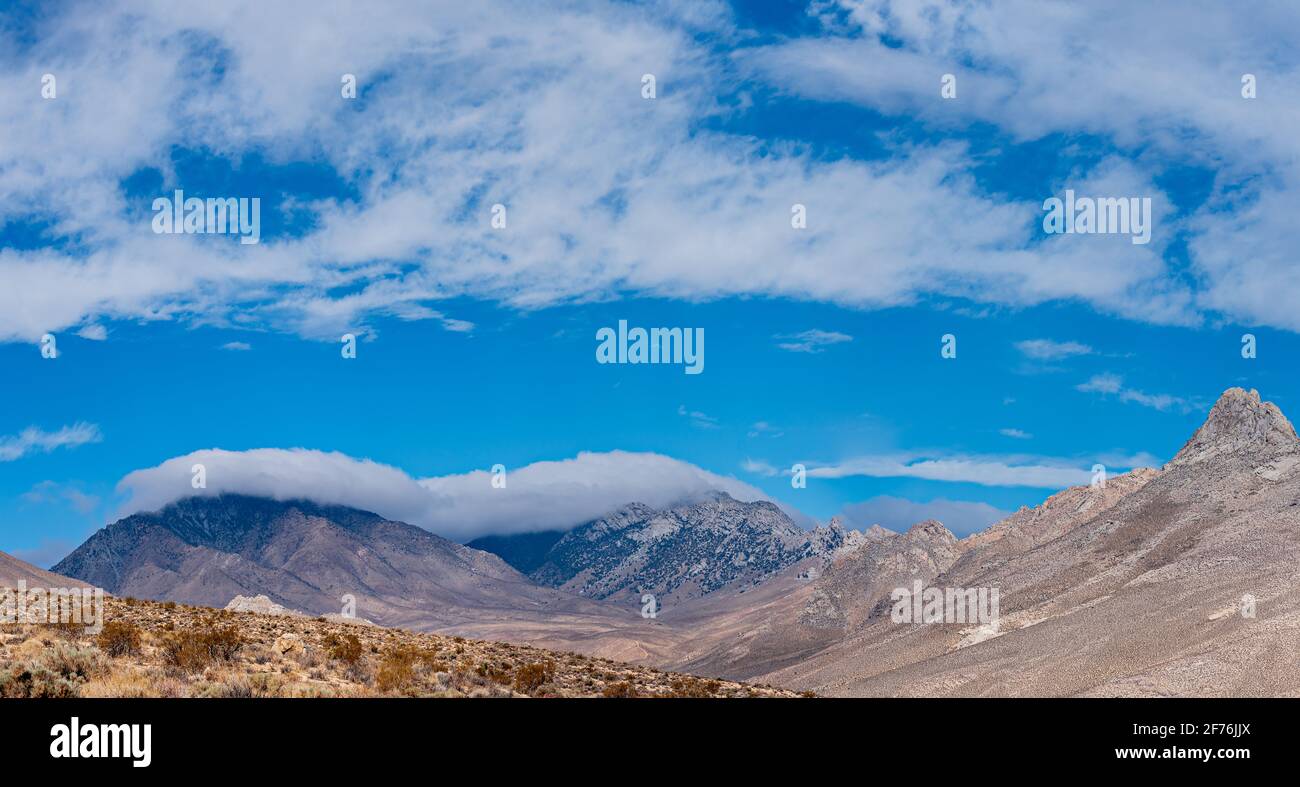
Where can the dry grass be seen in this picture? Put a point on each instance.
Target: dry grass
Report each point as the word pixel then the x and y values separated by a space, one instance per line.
pixel 151 649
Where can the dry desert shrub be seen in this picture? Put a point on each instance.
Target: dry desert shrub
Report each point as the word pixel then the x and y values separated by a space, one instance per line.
pixel 531 677
pixel 497 673
pixel 69 629
pixel 405 668
pixel 119 638
pixel 193 649
pixel 346 649
pixel 57 672
pixel 258 653
pixel 397 669
pixel 686 686
pixel 621 689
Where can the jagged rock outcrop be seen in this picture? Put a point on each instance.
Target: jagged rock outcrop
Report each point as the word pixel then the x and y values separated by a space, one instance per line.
pixel 1240 426
pixel 686 551
pixel 851 588
pixel 260 605
pixel 1030 527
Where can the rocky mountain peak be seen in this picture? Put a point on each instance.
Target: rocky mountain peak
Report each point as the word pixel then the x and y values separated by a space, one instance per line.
pixel 835 538
pixel 878 533
pixel 931 530
pixel 1240 422
pixel 690 549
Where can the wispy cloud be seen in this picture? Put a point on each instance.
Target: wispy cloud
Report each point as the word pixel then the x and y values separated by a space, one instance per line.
pixel 237 346
pixel 960 516
pixel 811 341
pixel 1129 460
pixel 52 492
pixel 1018 434
pixel 1108 384
pixel 416 312
pixel 1049 350
pixel 764 429
pixel 47 553
pixel 698 419
pixel 35 440
pixel 1039 472
pixel 758 467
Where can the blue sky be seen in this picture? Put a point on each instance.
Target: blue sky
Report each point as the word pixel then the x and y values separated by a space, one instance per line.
pixel 478 345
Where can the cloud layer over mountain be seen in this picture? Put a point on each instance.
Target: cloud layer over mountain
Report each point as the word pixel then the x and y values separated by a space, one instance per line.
pixel 897 513
pixel 539 496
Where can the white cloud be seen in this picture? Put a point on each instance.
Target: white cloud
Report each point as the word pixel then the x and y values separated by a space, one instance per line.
pixel 1018 434
pixel 1105 383
pixel 412 312
pixel 94 332
pixel 536 106
pixel 1049 350
pixel 1127 461
pixel 698 419
pixel 758 467
pixel 896 513
pixel 540 496
pixel 35 440
pixel 811 341
pixel 237 346
pixel 1181 99
pixel 1112 384
pixel 984 470
pixel 764 429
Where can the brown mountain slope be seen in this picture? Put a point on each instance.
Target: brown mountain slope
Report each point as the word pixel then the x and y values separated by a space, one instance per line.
pixel 12 570
pixel 304 556
pixel 1142 595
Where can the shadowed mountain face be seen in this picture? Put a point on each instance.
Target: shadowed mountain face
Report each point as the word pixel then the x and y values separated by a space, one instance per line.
pixel 304 556
pixel 525 552
pixel 1180 581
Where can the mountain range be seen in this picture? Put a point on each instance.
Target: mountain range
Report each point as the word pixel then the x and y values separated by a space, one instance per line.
pixel 1179 580
pixel 308 557
pixel 680 553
